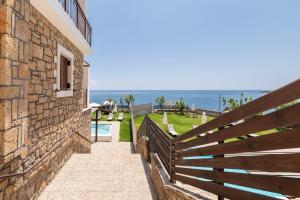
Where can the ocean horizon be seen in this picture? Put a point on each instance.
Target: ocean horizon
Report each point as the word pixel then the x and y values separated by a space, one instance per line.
pixel 205 99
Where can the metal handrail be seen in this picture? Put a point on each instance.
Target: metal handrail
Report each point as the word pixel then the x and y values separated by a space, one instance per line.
pixel 26 171
pixel 74 10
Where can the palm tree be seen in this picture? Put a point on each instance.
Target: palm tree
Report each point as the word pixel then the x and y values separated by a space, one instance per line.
pixel 129 99
pixel 160 100
pixel 180 105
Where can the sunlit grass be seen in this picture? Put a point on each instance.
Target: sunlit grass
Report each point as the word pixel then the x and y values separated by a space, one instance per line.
pixel 182 123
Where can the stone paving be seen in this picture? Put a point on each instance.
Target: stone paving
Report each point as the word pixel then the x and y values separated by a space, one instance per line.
pixel 110 172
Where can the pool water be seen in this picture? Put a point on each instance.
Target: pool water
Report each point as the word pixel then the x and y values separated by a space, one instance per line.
pixel 248 189
pixel 103 129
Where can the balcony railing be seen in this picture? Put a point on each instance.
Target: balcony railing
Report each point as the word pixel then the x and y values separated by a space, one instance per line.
pixel 76 13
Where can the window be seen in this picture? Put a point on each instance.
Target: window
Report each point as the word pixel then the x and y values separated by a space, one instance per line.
pixel 64 72
pixel 64 65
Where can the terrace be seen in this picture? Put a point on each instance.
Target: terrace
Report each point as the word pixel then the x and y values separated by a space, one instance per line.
pixel 216 160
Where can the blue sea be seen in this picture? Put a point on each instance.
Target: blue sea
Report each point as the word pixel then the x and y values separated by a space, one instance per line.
pixel 205 99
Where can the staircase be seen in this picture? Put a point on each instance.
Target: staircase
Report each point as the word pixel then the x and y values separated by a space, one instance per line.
pixel 111 171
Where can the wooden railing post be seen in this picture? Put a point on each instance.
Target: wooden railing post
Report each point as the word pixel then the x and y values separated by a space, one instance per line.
pixel 96 135
pixel 219 169
pixel 172 162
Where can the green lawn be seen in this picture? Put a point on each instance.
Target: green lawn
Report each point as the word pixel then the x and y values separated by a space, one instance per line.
pixel 125 135
pixel 182 124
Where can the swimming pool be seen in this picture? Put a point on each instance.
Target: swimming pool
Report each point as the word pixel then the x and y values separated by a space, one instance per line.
pixel 104 132
pixel 103 129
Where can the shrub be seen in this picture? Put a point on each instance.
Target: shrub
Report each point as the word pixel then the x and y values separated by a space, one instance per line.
pixel 231 104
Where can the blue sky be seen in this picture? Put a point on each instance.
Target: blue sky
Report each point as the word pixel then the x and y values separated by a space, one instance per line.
pixel 194 44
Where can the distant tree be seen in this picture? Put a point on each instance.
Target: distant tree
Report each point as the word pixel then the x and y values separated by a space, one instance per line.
pixel 160 100
pixel 180 105
pixel 129 99
pixel 231 103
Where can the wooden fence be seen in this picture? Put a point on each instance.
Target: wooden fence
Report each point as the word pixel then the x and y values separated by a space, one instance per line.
pixel 238 160
pixel 159 142
pixel 135 111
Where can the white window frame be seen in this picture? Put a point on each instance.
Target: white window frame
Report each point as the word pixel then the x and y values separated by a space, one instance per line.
pixel 62 51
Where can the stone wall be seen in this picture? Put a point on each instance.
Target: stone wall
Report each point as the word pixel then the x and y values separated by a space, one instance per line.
pixel 83 128
pixel 167 190
pixel 37 129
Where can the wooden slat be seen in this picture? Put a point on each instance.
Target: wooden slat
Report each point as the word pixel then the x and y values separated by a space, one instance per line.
pixel 159 135
pixel 281 140
pixel 141 131
pixel 158 129
pixel 165 162
pixel 280 118
pixel 281 96
pixel 281 185
pixel 157 147
pixel 158 141
pixel 267 163
pixel 223 191
pixel 162 147
pixel 152 131
pixel 162 144
pixel 166 154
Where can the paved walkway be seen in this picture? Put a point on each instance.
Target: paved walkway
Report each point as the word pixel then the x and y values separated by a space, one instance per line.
pixel 110 172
